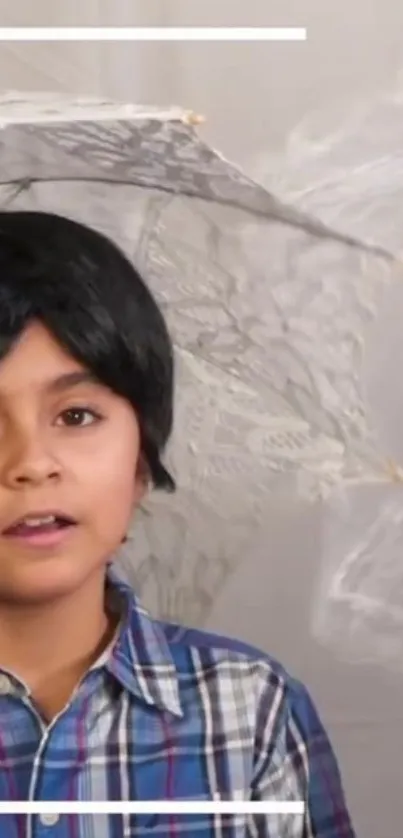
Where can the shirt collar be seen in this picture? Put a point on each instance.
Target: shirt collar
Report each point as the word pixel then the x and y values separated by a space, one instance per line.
pixel 141 659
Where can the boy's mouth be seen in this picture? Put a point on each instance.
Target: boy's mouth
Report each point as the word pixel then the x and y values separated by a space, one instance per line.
pixel 40 527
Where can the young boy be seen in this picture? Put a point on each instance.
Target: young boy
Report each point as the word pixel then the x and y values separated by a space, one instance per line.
pixel 99 701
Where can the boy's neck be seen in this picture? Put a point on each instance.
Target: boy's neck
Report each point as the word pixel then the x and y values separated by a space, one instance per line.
pixel 50 647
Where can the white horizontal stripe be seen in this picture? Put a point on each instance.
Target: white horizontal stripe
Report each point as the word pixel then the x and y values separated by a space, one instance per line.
pixel 150 807
pixel 153 33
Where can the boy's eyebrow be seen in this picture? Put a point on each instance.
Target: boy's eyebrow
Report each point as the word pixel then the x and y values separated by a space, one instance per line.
pixel 71 379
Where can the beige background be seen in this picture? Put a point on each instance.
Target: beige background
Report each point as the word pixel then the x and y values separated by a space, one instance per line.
pixel 252 96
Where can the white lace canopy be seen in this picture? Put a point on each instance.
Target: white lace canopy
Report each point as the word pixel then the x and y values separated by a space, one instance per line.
pixel 281 307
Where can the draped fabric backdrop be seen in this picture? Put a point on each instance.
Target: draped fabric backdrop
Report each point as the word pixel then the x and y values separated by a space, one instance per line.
pixel 273 591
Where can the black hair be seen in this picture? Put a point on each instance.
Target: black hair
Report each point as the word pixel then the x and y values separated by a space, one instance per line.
pixel 85 291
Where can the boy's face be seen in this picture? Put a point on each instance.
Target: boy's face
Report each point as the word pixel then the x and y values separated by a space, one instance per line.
pixel 68 447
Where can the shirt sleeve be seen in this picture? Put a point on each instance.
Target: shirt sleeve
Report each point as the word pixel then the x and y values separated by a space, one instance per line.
pixel 295 762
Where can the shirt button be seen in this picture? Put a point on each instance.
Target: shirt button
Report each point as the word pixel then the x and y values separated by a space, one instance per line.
pixel 49 818
pixel 5 684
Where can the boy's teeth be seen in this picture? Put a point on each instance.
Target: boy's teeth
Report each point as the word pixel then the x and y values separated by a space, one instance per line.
pixel 37 522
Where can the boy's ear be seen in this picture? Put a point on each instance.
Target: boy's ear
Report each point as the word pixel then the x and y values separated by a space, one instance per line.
pixel 142 479
pixel 141 485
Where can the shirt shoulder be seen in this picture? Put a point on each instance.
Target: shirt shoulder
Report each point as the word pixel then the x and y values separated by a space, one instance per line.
pixel 293 754
pixel 220 650
pixel 258 718
pixel 266 677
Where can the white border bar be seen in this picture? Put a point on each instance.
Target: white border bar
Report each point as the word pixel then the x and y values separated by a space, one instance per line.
pixel 153 33
pixel 150 807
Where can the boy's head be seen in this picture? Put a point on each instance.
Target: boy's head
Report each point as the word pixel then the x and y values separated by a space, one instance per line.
pixel 86 393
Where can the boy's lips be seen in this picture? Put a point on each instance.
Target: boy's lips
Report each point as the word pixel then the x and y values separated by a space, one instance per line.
pixel 42 528
pixel 30 519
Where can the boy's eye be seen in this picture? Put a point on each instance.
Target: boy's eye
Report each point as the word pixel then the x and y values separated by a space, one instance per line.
pixel 77 417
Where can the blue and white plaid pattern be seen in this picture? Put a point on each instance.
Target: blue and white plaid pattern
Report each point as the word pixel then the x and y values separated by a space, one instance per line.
pixel 172 714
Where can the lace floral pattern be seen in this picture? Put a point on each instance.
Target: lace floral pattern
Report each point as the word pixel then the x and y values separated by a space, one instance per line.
pixel 269 310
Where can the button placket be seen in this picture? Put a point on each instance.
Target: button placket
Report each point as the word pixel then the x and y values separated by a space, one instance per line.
pixel 49 818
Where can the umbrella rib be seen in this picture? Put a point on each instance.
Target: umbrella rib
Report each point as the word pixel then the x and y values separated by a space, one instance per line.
pixel 312 226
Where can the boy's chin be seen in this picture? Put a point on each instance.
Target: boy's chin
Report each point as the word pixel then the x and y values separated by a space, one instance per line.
pixel 41 586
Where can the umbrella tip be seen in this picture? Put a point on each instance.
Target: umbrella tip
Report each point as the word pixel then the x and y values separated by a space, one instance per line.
pixel 192 118
pixel 393 471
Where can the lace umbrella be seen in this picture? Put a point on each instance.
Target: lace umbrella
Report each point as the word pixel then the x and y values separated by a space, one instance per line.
pixel 268 301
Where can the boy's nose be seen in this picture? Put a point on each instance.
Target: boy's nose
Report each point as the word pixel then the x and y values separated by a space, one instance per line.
pixel 35 474
pixel 30 465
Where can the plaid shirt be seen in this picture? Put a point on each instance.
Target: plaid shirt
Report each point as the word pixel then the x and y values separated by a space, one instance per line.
pixel 174 714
